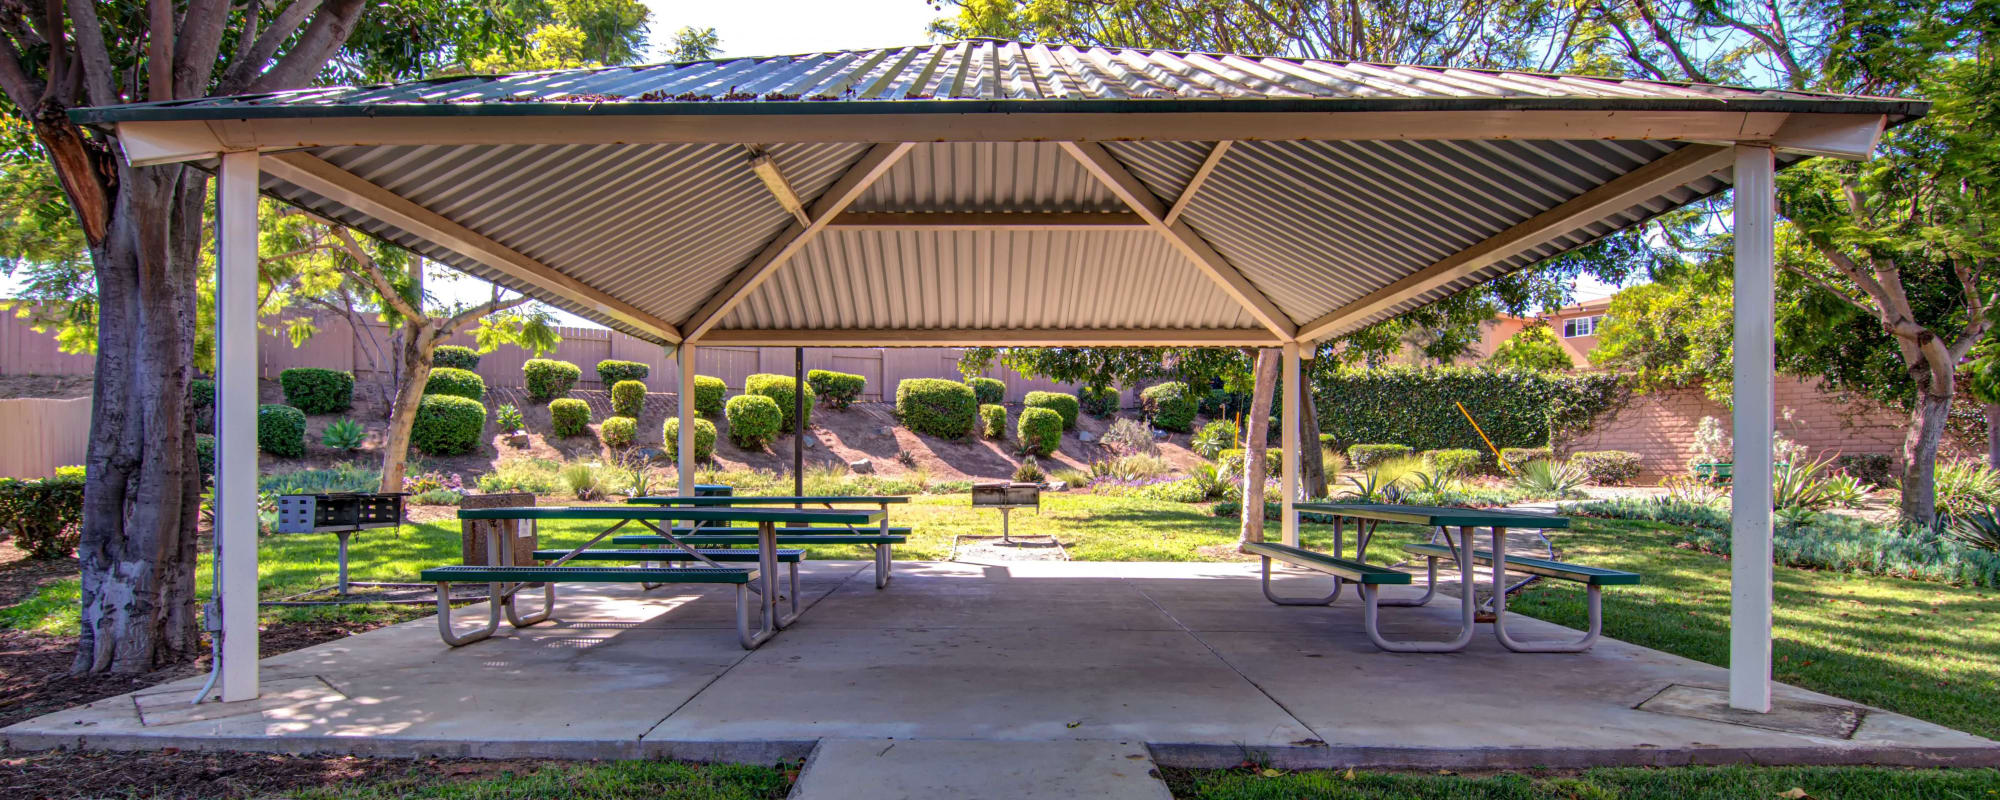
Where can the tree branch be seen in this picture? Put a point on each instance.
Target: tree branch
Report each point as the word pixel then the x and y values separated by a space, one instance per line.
pixel 202 26
pixel 250 61
pixel 322 38
pixel 373 274
pixel 160 50
pixel 1667 40
pixel 493 306
pixel 23 89
pixel 92 54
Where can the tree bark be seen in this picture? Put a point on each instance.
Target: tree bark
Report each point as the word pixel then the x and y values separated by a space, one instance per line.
pixel 416 354
pixel 1993 435
pixel 1312 462
pixel 1928 418
pixel 1255 452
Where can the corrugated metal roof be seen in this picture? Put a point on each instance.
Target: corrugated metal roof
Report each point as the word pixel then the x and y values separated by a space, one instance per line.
pixel 988 70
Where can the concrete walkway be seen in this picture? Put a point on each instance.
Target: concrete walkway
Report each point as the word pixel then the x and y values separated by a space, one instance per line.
pixel 1185 660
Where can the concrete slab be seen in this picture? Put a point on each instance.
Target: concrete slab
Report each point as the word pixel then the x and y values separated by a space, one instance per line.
pixel 869 769
pixel 1786 715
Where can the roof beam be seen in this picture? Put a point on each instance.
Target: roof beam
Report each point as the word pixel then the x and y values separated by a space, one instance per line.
pixel 348 189
pixel 999 337
pixel 988 221
pixel 1664 174
pixel 795 236
pixel 1127 187
pixel 1201 174
pixel 766 168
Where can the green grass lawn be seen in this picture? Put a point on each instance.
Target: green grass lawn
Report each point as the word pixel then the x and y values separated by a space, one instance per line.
pixel 615 780
pixel 1685 783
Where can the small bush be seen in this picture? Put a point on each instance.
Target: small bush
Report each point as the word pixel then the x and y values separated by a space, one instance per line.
pixel 455 381
pixel 837 389
pixel 317 391
pixel 201 394
pixel 610 372
pixel 754 420
pixel 1214 438
pixel 510 418
pixel 779 389
pixel 1169 406
pixel 436 497
pixel 1363 456
pixel 549 379
pixel 1128 436
pixel 618 431
pixel 448 425
pixel 993 421
pixel 1040 430
pixel 1065 405
pixel 204 455
pixel 281 431
pixel 1516 458
pixel 1456 462
pixel 1873 468
pixel 344 434
pixel 568 416
pixel 988 391
pixel 936 407
pixel 1030 470
pixel 455 357
pixel 708 394
pixel 1607 466
pixel 628 398
pixel 704 439
pixel 45 516
pixel 1098 403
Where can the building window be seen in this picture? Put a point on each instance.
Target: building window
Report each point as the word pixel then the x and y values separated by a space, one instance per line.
pixel 1582 326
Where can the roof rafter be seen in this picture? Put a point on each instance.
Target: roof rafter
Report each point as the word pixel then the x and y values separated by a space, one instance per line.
pixel 997 337
pixel 1200 177
pixel 795 236
pixel 1127 187
pixel 985 221
pixel 346 188
pixel 1662 175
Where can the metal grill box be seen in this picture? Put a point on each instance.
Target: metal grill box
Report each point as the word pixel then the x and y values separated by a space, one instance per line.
pixel 346 511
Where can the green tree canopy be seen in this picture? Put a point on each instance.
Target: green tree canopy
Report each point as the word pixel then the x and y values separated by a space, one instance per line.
pixel 1533 348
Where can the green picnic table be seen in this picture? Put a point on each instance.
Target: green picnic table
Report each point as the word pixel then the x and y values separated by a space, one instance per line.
pixel 882 540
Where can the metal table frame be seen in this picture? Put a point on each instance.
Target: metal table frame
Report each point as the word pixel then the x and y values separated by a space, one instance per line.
pixel 884 553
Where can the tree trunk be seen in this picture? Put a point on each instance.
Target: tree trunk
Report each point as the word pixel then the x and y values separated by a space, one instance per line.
pixel 1993 435
pixel 1312 462
pixel 1255 451
pixel 1920 447
pixel 142 491
pixel 418 345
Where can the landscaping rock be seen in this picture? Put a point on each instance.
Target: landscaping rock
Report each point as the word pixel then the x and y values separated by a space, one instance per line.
pixel 886 430
pixel 861 465
pixel 1086 436
pixel 517 439
pixel 651 454
pixel 1058 486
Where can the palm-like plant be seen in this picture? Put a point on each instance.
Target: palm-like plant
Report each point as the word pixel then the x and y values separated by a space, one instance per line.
pixel 1546 478
pixel 1978 529
pixel 1801 483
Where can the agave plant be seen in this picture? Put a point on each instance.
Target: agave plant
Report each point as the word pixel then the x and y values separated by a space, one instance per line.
pixel 1845 491
pixel 1801 482
pixel 1693 490
pixel 1978 529
pixel 1384 482
pixel 1546 478
pixel 1966 487
pixel 1210 480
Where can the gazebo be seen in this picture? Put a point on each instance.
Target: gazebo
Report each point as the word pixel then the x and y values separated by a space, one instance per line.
pixel 989 192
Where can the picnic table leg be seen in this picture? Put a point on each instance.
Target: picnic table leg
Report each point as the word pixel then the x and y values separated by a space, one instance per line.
pixel 444 616
pixel 499 556
pixel 1371 601
pixel 884 556
pixel 767 575
pixel 1596 609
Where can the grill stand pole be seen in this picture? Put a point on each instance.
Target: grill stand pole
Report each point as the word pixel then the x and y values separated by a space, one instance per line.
pixel 343 561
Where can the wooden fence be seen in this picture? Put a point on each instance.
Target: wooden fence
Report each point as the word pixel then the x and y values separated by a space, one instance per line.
pixel 42 434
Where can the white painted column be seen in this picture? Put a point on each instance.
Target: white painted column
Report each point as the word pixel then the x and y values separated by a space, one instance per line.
pixel 1750 490
pixel 236 421
pixel 1289 482
pixel 684 359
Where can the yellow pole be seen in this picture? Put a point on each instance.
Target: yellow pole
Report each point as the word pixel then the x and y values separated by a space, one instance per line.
pixel 1482 437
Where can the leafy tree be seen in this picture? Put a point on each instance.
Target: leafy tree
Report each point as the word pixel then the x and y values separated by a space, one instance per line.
pixel 1533 348
pixel 693 44
pixel 1672 332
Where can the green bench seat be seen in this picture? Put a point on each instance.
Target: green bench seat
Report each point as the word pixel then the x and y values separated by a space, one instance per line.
pixel 508 580
pixel 728 556
pixel 1594 576
pixel 1356 571
pixel 567 574
pixel 785 536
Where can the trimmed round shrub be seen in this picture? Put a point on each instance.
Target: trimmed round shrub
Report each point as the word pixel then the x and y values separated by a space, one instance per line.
pixel 1040 430
pixel 548 378
pixel 448 424
pixel 1064 405
pixel 204 454
pixel 1098 403
pixel 1363 456
pixel 936 406
pixel 317 391
pixel 1517 457
pixel 455 356
pixel 201 394
pixel 754 420
pixel 568 416
pixel 993 421
pixel 1455 462
pixel 987 390
pixel 455 381
pixel 838 389
pixel 46 515
pixel 281 430
pixel 611 371
pixel 1607 466
pixel 1169 406
pixel 708 394
pixel 779 389
pixel 704 439
pixel 627 398
pixel 618 431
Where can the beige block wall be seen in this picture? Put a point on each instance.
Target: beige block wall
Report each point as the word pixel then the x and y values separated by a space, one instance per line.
pixel 1660 426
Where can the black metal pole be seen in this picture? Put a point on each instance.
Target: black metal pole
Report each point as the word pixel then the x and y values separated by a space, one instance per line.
pixel 799 422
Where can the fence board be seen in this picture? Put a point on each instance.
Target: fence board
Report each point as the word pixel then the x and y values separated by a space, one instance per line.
pixel 42 434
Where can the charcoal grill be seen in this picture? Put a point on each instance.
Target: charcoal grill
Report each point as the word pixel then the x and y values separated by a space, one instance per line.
pixel 342 514
pixel 1006 497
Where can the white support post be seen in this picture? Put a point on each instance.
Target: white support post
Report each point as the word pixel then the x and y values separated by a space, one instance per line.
pixel 684 358
pixel 1289 482
pixel 1750 489
pixel 236 421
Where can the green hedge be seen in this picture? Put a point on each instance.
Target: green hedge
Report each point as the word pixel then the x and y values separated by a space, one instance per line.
pixel 1040 430
pixel 281 430
pixel 754 420
pixel 936 406
pixel 455 356
pixel 45 516
pixel 202 394
pixel 618 431
pixel 611 371
pixel 993 421
pixel 317 391
pixel 708 393
pixel 455 381
pixel 1065 405
pixel 704 439
pixel 838 389
pixel 1607 466
pixel 628 398
pixel 568 416
pixel 1456 462
pixel 1517 457
pixel 1363 456
pixel 1169 406
pixel 448 424
pixel 1098 402
pixel 988 391
pixel 779 389
pixel 1417 407
pixel 204 455
pixel 549 379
